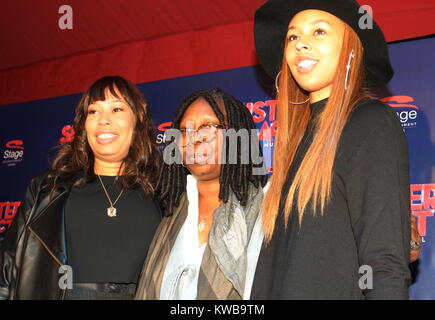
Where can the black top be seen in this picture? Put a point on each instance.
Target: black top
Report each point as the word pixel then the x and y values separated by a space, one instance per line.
pixel 104 249
pixel 366 221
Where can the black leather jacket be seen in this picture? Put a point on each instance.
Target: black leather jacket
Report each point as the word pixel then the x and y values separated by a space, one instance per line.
pixel 35 245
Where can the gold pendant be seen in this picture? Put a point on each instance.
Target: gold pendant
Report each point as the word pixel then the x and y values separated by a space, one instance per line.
pixel 201 225
pixel 111 212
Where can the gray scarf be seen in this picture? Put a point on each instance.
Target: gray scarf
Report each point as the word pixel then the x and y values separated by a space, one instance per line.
pixel 230 234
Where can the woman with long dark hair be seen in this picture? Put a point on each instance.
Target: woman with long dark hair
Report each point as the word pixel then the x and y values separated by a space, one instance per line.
pixel 84 227
pixel 336 218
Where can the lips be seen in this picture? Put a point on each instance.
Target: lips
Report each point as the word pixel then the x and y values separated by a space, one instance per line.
pixel 106 137
pixel 201 159
pixel 305 64
pixel 198 158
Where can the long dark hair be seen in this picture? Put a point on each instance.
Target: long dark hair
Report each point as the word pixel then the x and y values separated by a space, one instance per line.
pixel 76 159
pixel 172 181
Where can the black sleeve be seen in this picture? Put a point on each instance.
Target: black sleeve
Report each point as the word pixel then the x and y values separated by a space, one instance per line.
pixel 377 187
pixel 14 240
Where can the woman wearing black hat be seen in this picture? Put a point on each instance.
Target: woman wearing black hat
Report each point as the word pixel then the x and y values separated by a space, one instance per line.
pixel 337 225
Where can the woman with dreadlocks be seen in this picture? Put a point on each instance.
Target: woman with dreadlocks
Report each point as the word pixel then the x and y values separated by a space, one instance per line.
pixel 207 245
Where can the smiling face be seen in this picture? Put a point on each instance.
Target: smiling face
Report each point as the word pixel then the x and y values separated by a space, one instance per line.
pixel 201 158
pixel 314 41
pixel 109 128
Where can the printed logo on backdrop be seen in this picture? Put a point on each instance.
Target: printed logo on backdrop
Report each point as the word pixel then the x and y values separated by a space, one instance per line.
pixel 67 134
pixel 422 204
pixel 163 127
pixel 13 153
pixel 407 112
pixel 264 113
pixel 8 210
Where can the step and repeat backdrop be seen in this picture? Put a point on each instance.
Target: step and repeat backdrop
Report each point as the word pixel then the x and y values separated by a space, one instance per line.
pixel 31 132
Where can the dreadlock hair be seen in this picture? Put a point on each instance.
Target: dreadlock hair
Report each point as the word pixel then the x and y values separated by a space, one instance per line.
pixel 172 181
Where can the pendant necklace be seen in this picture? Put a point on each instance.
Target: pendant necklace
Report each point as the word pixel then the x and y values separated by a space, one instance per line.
pixel 111 211
pixel 202 224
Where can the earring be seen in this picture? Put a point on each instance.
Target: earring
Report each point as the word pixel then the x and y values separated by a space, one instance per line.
pixel 277 90
pixel 276 81
pixel 351 56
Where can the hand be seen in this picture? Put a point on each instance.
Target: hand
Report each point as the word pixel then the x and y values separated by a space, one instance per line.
pixel 414 254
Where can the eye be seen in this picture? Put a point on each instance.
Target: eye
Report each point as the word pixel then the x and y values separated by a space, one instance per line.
pixel 210 126
pixel 292 37
pixel 319 32
pixel 92 111
pixel 117 109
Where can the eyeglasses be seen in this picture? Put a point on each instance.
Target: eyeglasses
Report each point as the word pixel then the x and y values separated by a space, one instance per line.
pixel 205 133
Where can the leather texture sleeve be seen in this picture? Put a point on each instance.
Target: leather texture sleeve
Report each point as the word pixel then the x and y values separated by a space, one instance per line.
pixel 12 244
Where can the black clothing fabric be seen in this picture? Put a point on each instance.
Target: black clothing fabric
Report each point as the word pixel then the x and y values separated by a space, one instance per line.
pixel 366 222
pixel 108 249
pixel 35 246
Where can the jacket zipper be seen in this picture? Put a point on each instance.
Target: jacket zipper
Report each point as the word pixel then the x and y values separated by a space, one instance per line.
pixel 51 254
pixel 29 220
pixel 45 246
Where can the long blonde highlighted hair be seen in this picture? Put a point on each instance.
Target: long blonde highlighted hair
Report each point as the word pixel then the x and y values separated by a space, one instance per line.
pixel 312 182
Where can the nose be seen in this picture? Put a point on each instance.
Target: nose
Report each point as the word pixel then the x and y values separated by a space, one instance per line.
pixel 302 44
pixel 104 119
pixel 195 138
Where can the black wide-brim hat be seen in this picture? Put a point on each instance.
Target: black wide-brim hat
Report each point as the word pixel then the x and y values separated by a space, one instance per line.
pixel 271 24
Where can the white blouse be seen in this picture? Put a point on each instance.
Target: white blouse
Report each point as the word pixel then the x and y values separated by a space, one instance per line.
pixel 180 279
